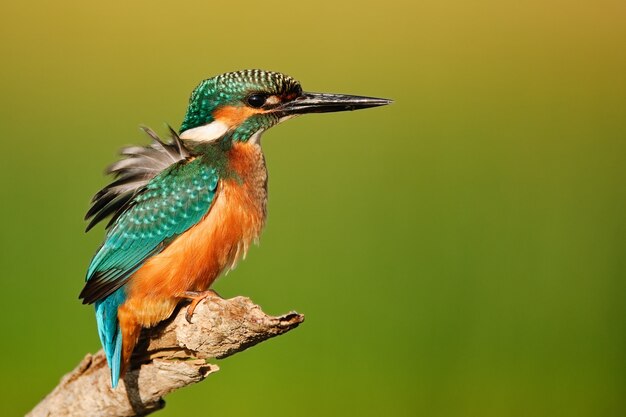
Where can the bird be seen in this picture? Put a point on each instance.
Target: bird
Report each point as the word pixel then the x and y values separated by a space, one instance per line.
pixel 183 211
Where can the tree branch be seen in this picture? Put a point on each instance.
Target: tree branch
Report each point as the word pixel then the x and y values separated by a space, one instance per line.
pixel 170 356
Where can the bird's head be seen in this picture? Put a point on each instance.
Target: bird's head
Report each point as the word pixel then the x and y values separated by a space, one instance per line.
pixel 238 106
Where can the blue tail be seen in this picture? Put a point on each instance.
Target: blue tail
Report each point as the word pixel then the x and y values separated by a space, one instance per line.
pixel 110 332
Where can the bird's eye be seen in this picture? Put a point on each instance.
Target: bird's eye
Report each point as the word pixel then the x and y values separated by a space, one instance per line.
pixel 257 100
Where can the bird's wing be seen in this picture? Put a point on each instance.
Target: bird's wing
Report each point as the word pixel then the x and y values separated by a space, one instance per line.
pixel 168 205
pixel 142 163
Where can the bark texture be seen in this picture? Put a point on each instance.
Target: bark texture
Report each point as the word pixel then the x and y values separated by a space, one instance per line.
pixel 170 356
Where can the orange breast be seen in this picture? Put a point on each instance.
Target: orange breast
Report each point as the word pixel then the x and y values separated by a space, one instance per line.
pixel 196 258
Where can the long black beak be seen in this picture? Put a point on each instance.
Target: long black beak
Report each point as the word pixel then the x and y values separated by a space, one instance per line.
pixel 323 103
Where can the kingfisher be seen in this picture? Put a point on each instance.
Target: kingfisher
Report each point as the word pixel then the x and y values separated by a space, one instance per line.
pixel 184 210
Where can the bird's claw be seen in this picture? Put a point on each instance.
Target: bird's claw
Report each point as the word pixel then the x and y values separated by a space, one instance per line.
pixel 195 298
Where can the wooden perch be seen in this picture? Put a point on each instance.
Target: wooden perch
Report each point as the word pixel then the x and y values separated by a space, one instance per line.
pixel 170 356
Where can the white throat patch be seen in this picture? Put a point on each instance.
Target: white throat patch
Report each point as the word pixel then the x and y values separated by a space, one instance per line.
pixel 206 133
pixel 256 138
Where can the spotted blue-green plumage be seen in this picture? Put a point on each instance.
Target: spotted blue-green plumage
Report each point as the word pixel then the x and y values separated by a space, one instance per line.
pixel 170 203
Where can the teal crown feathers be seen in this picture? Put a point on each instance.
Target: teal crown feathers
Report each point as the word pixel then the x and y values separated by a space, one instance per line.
pixel 233 88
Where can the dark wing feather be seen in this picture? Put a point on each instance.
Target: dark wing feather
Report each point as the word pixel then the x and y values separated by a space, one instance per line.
pixel 132 174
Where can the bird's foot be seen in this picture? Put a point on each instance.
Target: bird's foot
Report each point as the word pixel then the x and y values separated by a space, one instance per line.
pixel 196 297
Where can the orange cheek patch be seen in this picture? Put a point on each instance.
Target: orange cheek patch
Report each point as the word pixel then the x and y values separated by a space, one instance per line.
pixel 233 115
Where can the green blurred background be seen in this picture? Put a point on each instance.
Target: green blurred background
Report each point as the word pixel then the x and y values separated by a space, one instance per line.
pixel 459 253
